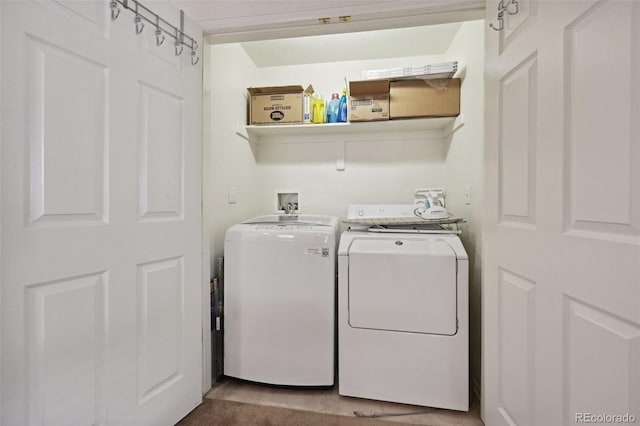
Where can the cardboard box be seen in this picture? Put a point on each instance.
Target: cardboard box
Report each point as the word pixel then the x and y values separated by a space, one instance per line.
pixel 424 98
pixel 275 105
pixel 369 100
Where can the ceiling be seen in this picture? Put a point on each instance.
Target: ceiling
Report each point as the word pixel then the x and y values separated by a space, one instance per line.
pixel 399 42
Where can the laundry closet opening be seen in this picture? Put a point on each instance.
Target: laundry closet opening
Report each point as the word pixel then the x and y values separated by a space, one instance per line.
pixel 244 171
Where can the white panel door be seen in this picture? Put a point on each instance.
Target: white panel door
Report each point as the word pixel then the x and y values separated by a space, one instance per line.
pixel 101 219
pixel 561 271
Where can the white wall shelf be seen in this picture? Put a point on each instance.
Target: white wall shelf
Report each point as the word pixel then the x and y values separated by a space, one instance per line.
pixel 427 128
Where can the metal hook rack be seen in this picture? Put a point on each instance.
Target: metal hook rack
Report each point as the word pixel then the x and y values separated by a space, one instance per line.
pixel 163 27
pixel 502 8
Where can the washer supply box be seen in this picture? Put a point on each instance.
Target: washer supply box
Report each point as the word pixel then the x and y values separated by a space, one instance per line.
pixel 424 98
pixel 275 105
pixel 369 100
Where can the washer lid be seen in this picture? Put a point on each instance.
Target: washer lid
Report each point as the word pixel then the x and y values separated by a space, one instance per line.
pixel 303 219
pixel 403 285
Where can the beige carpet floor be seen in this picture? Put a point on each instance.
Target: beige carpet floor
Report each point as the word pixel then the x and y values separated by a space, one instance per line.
pixel 216 412
pixel 234 402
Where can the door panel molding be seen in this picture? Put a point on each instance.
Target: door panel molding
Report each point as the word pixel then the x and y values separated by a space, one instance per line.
pixel 516 340
pixel 91 15
pixel 161 154
pixel 601 371
pixel 54 132
pixel 598 75
pixel 67 349
pixel 160 312
pixel 517 144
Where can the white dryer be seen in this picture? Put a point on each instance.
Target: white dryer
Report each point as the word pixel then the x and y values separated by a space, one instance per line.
pixel 403 333
pixel 279 303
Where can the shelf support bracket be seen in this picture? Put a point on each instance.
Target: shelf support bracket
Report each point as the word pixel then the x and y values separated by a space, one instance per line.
pixel 457 124
pixel 340 155
pixel 242 132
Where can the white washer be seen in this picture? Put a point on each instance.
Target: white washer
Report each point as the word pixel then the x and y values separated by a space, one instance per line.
pixel 279 303
pixel 403 332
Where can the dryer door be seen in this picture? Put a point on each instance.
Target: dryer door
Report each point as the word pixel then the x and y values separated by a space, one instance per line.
pixel 403 285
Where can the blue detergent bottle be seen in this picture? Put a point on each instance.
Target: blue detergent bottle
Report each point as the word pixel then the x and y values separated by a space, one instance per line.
pixel 333 108
pixel 342 107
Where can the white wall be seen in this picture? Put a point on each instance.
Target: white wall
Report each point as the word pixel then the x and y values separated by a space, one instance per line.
pixel 464 166
pixel 229 160
pixel 380 171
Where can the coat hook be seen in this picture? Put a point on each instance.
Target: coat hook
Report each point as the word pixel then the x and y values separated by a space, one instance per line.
pixel 115 10
pixel 178 44
pixel 501 9
pixel 515 2
pixel 159 35
pixel 500 26
pixel 194 57
pixel 138 21
pixel 139 24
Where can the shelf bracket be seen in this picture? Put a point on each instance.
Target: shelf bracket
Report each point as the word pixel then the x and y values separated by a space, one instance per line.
pixel 241 126
pixel 457 124
pixel 340 155
pixel 242 132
